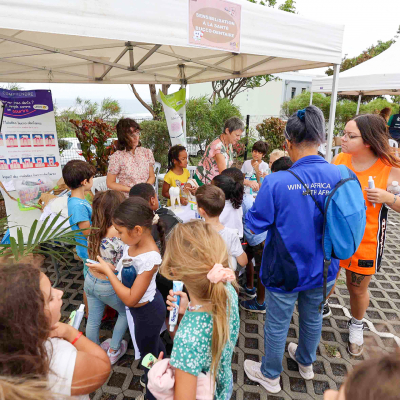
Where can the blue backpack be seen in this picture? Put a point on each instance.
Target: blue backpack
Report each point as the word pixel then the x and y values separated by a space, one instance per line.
pixel 344 219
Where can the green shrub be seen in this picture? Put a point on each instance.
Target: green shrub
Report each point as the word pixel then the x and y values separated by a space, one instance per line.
pixel 155 137
pixel 272 130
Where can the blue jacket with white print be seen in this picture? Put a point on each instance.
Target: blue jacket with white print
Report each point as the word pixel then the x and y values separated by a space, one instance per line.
pixel 293 257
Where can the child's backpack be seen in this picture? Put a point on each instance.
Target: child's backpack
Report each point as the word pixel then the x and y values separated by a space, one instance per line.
pixel 344 219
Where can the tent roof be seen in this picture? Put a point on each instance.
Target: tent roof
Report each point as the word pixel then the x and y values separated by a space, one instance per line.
pixel 378 76
pixel 136 41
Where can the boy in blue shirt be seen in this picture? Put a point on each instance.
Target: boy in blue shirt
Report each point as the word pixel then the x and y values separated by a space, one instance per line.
pixel 78 176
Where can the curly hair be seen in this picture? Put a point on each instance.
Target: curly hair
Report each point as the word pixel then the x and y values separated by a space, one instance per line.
pixel 25 326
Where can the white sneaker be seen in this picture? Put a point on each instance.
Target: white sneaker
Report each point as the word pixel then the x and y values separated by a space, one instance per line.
pixel 356 339
pixel 115 356
pixel 253 371
pixel 306 372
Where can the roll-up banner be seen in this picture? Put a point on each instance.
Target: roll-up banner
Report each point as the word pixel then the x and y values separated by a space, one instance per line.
pixel 174 106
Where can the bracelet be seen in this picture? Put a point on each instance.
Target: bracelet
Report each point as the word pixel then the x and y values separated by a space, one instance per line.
pixel 394 201
pixel 77 337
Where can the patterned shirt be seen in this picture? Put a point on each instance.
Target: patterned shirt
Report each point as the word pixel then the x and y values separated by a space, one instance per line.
pixel 111 250
pixel 192 345
pixel 131 169
pixel 208 168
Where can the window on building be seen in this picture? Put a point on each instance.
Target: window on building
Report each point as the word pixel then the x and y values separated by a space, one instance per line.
pixel 293 92
pixel 303 89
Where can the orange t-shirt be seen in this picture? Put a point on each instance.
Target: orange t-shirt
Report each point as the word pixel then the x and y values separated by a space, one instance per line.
pixel 367 259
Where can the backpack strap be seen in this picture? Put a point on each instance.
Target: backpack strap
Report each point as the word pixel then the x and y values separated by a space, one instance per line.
pixel 344 171
pixel 307 192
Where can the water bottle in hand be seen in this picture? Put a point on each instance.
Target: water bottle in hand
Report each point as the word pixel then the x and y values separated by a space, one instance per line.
pixel 394 188
pixel 128 273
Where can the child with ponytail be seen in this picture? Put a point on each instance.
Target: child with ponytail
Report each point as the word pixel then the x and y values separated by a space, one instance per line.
pixel 133 220
pixel 104 242
pixel 208 331
pixel 232 215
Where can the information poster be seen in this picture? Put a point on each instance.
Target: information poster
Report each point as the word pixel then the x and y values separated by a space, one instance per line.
pixel 28 138
pixel 174 106
pixel 215 24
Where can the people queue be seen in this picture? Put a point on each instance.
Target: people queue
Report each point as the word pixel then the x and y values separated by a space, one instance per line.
pixel 276 235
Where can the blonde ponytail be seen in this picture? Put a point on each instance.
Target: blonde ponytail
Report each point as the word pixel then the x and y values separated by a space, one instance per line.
pixel 220 312
pixel 12 388
pixel 192 251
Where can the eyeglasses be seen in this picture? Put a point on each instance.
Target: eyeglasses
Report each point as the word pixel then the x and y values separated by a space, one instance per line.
pixel 135 133
pixel 349 136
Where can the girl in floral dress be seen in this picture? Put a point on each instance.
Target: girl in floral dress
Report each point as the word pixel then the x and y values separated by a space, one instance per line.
pixel 196 254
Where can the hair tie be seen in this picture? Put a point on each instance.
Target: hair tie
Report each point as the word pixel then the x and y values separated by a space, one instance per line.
pixel 220 274
pixel 155 219
pixel 301 114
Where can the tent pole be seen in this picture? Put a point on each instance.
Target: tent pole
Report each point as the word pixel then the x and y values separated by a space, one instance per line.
pixel 311 96
pixel 358 104
pixel 332 111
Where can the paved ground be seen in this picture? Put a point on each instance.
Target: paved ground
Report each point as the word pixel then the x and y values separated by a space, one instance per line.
pixel 333 361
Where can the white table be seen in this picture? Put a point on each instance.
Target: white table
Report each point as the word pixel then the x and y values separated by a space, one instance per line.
pixel 185 213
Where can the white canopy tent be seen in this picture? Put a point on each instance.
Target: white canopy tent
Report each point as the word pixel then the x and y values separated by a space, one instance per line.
pixel 135 41
pixel 378 76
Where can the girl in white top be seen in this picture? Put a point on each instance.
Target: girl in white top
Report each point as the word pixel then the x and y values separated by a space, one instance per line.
pixel 133 220
pixel 34 342
pixel 232 214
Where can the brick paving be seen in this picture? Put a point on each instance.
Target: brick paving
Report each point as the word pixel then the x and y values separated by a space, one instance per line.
pixel 333 361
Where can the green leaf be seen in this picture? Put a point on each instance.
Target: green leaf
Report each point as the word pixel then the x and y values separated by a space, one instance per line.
pixel 14 248
pixel 49 228
pixel 32 232
pixel 20 237
pixel 39 234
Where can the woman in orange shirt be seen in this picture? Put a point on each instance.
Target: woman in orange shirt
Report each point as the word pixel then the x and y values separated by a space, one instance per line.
pixel 366 151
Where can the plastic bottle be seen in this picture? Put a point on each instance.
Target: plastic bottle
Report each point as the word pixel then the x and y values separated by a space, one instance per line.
pixel 394 188
pixel 253 178
pixel 79 316
pixel 128 273
pixel 371 185
pixel 173 314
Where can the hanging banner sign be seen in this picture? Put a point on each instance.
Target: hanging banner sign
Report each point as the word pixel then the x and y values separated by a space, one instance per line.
pixel 215 24
pixel 174 106
pixel 28 137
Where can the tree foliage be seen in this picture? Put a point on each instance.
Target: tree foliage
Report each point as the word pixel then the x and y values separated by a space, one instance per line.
pixel 93 135
pixel 345 109
pixel 108 110
pixel 205 121
pixel 272 130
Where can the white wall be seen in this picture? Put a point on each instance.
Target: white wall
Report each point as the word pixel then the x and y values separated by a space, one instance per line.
pixel 259 101
pixel 265 101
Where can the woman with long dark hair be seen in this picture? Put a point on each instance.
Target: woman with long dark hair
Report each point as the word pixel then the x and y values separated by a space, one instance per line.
pixel 366 151
pixel 34 344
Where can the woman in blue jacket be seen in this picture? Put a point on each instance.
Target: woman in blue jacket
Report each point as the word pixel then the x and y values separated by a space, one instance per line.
pixel 292 263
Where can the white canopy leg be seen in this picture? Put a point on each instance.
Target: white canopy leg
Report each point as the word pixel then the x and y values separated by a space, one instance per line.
pixel 311 96
pixel 358 104
pixel 332 112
